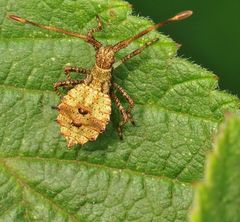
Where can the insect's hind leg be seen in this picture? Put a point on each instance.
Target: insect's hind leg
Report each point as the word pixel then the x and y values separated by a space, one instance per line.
pixel 124 115
pixel 129 100
pixel 69 69
pixel 65 84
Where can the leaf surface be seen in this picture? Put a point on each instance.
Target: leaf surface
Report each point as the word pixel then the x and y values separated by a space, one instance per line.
pixel 146 177
pixel 222 178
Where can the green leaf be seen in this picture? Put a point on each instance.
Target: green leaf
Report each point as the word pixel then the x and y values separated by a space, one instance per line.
pixel 218 197
pixel 146 177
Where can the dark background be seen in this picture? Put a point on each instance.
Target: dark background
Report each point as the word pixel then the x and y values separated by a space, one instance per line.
pixel 211 37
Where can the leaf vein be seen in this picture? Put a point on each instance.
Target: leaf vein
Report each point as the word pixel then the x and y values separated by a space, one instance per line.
pixel 167 110
pixel 95 165
pixel 22 183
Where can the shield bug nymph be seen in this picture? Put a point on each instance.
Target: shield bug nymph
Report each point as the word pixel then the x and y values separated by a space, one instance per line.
pixel 84 111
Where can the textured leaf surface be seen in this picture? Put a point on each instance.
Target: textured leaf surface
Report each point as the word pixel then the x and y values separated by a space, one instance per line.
pixel 221 186
pixel 146 177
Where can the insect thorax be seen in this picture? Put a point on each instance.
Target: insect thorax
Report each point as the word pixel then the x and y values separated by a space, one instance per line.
pixel 101 73
pixel 100 79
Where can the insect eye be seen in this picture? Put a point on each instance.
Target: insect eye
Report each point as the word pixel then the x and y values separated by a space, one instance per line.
pixel 82 111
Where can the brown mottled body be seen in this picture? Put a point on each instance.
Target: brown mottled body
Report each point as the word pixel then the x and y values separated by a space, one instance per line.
pixel 85 111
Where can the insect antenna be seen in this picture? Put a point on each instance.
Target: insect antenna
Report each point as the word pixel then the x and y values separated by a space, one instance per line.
pixel 126 42
pixel 87 38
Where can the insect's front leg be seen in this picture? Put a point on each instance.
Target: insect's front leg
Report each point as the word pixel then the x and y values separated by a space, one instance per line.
pixel 65 84
pixel 69 69
pixel 129 100
pixel 97 29
pixel 134 53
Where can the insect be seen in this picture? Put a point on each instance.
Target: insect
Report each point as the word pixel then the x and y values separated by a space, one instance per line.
pixel 84 111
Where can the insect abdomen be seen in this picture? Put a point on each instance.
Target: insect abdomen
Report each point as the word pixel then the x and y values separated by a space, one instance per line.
pixel 83 113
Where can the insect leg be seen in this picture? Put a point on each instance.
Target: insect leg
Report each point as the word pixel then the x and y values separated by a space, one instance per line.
pixel 124 115
pixel 98 29
pixel 68 83
pixel 129 100
pixel 55 107
pixel 138 51
pixel 134 53
pixel 69 69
